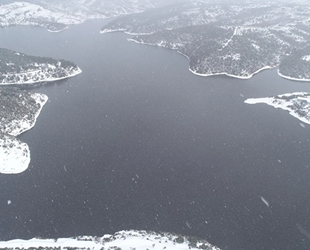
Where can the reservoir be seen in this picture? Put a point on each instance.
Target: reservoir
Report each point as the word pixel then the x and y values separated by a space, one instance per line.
pixel 139 142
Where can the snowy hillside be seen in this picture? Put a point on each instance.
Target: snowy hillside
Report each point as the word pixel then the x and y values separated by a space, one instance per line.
pixel 57 15
pixel 238 40
pixel 19 108
pixel 19 111
pixel 19 68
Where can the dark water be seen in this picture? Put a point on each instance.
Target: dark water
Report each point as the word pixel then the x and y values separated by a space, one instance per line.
pixel 138 142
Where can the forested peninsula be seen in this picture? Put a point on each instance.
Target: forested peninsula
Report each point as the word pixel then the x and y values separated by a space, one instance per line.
pixel 19 109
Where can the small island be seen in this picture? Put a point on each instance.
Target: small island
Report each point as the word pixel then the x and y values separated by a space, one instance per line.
pixel 297 104
pixel 123 240
pixel 237 40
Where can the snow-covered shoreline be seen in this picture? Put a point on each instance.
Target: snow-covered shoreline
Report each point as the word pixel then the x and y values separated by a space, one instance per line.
pixel 205 75
pixel 111 31
pixel 236 41
pixel 57 31
pixel 40 76
pixel 20 108
pixel 234 76
pixel 123 240
pixel 25 125
pixel 297 104
pixel 19 114
pixel 292 78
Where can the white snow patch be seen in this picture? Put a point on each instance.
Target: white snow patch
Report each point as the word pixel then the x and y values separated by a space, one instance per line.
pixel 297 103
pixel 14 155
pixel 306 58
pixel 125 240
pixel 245 75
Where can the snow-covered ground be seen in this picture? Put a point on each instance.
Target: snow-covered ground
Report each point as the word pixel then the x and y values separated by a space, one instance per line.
pixel 247 74
pixel 293 78
pixel 57 15
pixel 14 155
pixel 297 104
pixel 44 74
pixel 20 109
pixel 19 126
pixel 232 39
pixel 123 240
pixel 24 13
